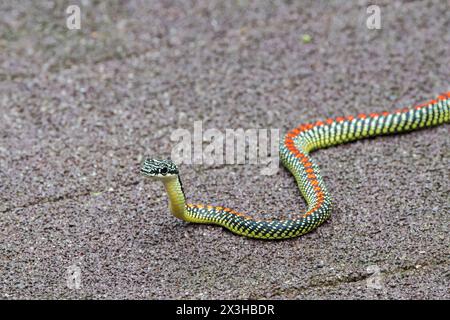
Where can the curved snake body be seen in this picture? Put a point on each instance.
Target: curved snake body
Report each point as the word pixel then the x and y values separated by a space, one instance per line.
pixel 295 155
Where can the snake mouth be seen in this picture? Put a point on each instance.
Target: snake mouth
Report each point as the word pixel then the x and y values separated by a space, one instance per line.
pixel 156 168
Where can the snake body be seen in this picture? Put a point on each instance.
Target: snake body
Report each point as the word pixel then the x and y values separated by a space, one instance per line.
pixel 295 155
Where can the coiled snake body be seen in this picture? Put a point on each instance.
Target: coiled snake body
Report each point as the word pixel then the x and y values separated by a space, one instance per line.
pixel 294 154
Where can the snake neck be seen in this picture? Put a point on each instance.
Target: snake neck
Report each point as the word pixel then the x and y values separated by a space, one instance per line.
pixel 177 200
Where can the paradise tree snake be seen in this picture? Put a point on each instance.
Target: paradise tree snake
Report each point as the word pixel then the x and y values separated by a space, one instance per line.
pixel 294 154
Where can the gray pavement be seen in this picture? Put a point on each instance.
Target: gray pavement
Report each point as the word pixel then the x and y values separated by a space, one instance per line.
pixel 80 108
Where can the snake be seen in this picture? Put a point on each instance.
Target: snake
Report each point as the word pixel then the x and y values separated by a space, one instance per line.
pixel 294 152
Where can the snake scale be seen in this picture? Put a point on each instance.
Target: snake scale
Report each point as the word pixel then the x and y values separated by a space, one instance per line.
pixel 295 155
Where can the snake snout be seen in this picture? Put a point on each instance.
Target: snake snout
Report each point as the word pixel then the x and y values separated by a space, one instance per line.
pixel 158 168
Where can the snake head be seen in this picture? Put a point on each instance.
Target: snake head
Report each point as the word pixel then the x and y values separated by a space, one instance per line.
pixel 155 168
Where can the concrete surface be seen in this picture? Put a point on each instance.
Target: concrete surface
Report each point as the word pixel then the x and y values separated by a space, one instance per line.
pixel 79 109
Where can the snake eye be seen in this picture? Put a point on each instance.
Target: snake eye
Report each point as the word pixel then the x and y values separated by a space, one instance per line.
pixel 164 171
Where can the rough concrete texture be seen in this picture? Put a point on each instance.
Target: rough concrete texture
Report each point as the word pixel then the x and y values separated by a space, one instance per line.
pixel 79 110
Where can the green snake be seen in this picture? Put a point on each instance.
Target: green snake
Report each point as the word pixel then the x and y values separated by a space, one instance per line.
pixel 294 154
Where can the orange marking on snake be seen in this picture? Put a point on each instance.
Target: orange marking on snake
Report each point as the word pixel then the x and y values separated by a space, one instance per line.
pixel 420 106
pixel 290 135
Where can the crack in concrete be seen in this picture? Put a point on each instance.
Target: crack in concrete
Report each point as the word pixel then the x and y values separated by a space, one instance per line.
pixel 348 279
pixel 43 201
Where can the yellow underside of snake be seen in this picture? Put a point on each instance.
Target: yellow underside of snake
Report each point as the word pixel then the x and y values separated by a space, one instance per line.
pixel 295 155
